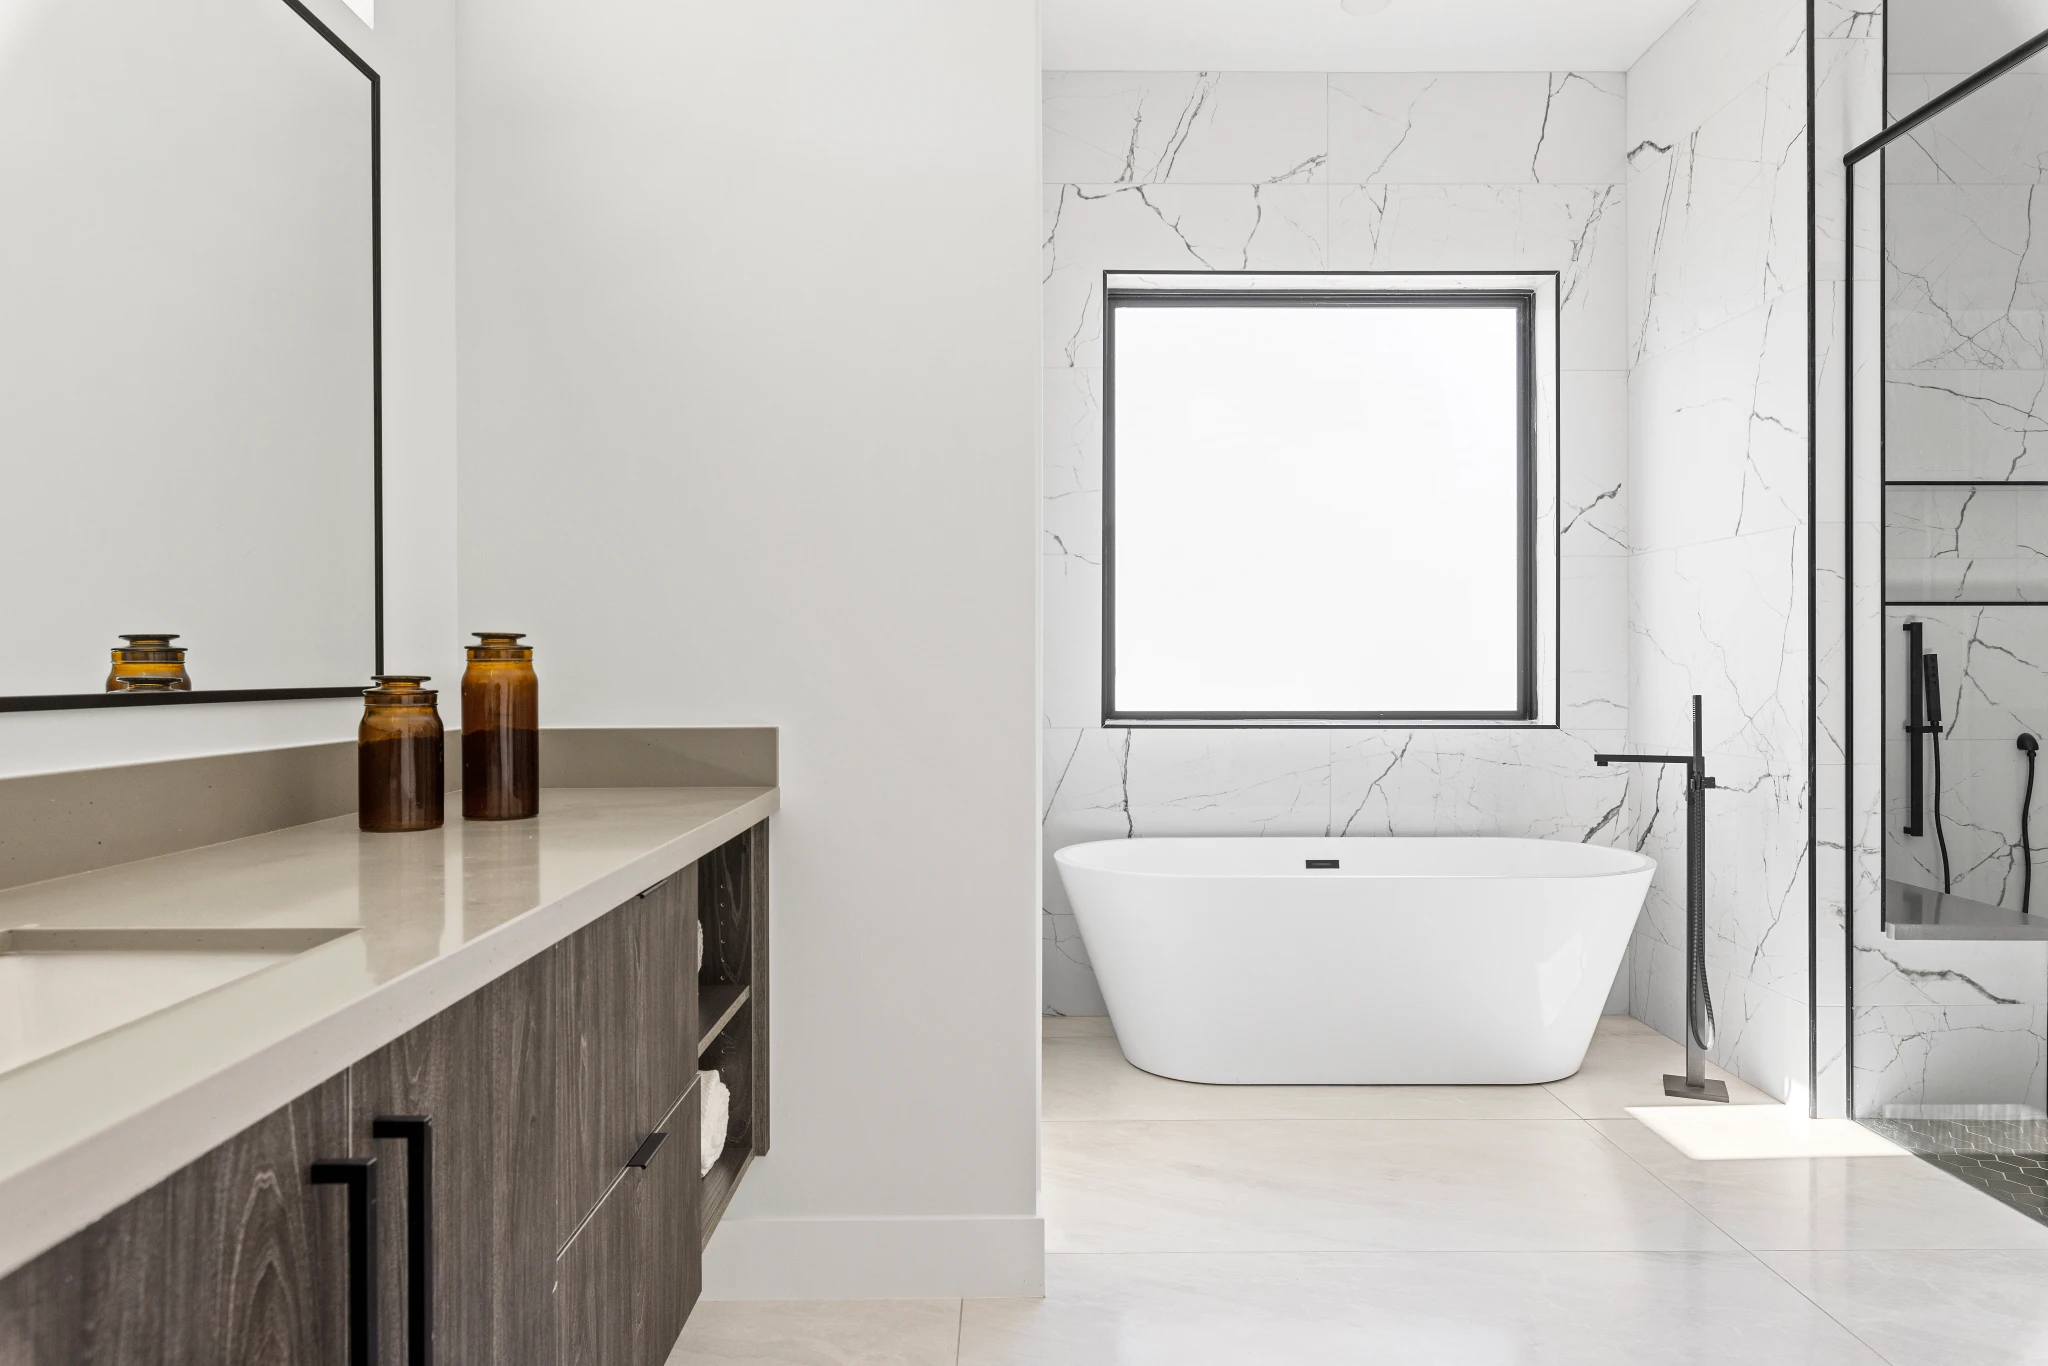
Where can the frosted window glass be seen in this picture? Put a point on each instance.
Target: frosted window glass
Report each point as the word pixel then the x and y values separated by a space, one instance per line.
pixel 1317 510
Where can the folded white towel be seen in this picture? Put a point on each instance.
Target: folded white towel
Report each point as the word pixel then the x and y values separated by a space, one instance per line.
pixel 714 1109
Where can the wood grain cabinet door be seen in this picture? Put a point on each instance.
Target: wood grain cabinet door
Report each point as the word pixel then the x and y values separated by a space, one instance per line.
pixel 236 1260
pixel 427 1099
pixel 627 1282
pixel 529 1049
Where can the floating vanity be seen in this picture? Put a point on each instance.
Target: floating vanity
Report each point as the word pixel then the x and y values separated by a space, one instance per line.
pixel 303 1090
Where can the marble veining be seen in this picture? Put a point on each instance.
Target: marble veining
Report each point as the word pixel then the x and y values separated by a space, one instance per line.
pixel 1555 128
pixel 1717 335
pixel 1720 221
pixel 1982 542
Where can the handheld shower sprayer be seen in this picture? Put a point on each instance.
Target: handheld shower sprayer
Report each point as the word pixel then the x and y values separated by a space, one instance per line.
pixel 1931 693
pixel 2030 747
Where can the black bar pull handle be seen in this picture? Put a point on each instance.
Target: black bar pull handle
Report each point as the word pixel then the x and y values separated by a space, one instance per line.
pixel 417 1131
pixel 644 1154
pixel 359 1174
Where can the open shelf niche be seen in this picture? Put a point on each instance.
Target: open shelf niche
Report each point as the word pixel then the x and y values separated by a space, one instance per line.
pixel 732 1005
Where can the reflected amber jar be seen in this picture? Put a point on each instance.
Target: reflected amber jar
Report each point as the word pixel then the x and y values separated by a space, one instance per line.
pixel 150 656
pixel 500 730
pixel 146 683
pixel 399 758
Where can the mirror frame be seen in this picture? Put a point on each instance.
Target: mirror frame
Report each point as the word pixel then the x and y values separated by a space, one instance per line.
pixel 69 701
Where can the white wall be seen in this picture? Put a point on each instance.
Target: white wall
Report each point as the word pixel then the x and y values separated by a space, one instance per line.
pixel 413 51
pixel 749 434
pixel 1306 171
pixel 1718 520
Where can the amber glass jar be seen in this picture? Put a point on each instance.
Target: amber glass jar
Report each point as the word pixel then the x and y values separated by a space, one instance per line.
pixel 151 656
pixel 399 762
pixel 500 730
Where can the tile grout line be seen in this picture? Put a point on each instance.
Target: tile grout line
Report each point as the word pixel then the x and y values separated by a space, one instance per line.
pixel 1328 1119
pixel 1785 1281
pixel 1747 1250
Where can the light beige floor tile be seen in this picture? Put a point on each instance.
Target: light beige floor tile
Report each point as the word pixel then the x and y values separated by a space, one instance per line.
pixel 1076 1027
pixel 1932 1308
pixel 1830 1202
pixel 1364 1185
pixel 1086 1077
pixel 820 1333
pixel 1626 1066
pixel 1408 1309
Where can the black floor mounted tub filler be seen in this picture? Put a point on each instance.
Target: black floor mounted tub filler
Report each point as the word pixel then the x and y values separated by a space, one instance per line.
pixel 1699 1004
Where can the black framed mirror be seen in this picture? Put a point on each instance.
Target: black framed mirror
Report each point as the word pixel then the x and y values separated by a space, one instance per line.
pixel 190 354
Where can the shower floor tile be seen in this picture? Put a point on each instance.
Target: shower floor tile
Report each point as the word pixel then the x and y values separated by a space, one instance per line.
pixel 2007 1159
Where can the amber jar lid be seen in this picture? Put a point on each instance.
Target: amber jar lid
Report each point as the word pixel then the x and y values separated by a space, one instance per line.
pixel 400 690
pixel 499 645
pixel 154 640
pixel 146 683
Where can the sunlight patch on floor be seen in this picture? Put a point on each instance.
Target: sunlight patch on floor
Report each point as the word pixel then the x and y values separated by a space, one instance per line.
pixel 1737 1133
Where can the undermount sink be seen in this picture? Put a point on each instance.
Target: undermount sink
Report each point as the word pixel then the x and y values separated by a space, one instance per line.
pixel 61 987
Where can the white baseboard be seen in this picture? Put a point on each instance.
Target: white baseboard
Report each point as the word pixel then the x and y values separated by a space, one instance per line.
pixel 871 1259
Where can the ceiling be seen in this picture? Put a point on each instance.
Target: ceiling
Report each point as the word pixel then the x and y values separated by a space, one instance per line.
pixel 1317 35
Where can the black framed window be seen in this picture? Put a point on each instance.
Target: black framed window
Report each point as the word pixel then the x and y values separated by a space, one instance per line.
pixel 1321 506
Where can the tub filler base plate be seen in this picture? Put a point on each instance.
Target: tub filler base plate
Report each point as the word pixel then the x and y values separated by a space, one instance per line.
pixel 1706 1090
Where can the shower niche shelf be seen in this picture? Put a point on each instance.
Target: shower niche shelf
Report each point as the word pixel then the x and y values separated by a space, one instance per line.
pixel 1921 913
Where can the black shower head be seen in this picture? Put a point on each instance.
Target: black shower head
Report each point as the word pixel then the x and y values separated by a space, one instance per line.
pixel 2028 742
pixel 1931 673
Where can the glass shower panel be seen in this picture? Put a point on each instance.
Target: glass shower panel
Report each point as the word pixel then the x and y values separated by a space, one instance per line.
pixel 1951 977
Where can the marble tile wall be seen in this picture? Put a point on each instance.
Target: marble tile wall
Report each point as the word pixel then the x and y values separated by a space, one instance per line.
pixel 1306 171
pixel 1718 338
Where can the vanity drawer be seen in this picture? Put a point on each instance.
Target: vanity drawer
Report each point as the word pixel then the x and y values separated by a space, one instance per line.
pixel 626 987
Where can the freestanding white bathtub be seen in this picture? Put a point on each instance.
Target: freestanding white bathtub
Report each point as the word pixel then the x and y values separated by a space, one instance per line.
pixel 1411 961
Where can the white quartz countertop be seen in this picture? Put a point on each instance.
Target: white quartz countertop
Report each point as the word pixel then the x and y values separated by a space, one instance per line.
pixel 426 920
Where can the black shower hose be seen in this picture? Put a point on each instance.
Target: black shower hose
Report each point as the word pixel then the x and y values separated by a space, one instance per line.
pixel 1940 835
pixel 1700 1011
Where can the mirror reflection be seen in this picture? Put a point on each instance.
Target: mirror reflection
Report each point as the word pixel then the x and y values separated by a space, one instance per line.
pixel 188 381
